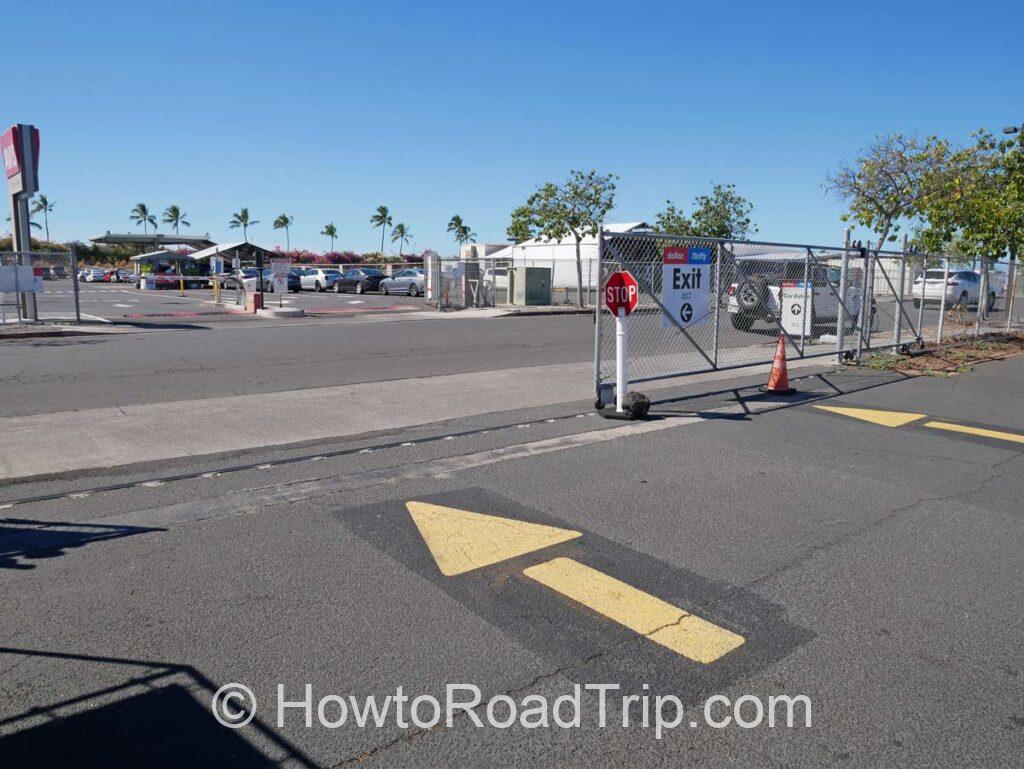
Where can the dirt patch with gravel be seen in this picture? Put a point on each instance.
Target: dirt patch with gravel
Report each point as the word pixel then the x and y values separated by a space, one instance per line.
pixel 950 359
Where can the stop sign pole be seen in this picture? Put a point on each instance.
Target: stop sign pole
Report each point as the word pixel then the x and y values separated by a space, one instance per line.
pixel 620 296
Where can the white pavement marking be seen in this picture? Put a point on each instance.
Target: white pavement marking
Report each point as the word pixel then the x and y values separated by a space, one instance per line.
pixel 241 501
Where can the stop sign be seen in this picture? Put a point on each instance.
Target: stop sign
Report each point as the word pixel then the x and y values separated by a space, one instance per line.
pixel 621 292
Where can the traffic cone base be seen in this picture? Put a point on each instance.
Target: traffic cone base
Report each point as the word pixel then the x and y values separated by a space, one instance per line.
pixel 778 379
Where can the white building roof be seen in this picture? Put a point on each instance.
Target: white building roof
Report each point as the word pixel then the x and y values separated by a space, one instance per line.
pixel 590 240
pixel 227 248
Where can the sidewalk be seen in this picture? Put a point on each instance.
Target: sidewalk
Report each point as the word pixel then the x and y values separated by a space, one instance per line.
pixel 63 441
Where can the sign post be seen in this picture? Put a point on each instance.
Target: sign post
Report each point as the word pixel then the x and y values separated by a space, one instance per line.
pixel 621 293
pixel 279 270
pixel 19 146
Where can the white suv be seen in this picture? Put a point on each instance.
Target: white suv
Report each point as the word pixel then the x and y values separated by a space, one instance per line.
pixel 962 288
pixel 756 294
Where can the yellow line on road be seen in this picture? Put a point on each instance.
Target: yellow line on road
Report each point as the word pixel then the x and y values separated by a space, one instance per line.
pixel 665 624
pixel 997 434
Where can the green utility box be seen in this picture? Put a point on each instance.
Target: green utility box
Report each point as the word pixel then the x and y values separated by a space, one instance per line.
pixel 529 285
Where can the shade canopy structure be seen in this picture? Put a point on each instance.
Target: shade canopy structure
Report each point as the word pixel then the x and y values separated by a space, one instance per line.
pixel 241 249
pixel 155 257
pixel 153 240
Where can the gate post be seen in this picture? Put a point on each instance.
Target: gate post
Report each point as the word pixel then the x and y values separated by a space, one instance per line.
pixel 898 323
pixel 865 303
pixel 74 283
pixel 718 301
pixel 942 302
pixel 844 273
pixel 597 321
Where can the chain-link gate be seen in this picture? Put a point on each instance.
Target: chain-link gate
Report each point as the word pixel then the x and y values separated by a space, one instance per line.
pixel 823 300
pixel 39 287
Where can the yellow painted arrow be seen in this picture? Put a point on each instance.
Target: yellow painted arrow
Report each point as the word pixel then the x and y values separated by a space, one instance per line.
pixel 884 418
pixel 462 541
pixel 901 418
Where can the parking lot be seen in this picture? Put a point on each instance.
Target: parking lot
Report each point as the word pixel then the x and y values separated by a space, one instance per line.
pixel 122 302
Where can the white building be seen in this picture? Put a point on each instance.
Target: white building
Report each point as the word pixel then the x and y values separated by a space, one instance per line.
pixel 559 255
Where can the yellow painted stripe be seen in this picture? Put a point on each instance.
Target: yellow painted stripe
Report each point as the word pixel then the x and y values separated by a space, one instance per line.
pixel 875 416
pixel 665 624
pixel 997 434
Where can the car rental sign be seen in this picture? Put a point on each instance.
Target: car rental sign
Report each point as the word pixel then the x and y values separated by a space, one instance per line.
pixel 685 285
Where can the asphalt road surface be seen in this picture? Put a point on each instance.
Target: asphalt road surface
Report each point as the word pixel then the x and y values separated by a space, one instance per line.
pixel 736 546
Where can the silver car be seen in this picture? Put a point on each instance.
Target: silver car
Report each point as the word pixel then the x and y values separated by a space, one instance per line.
pixel 318 279
pixel 409 282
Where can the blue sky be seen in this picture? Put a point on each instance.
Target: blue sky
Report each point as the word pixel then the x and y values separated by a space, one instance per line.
pixel 325 110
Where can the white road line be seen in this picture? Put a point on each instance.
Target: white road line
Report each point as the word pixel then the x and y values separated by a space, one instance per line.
pixel 249 500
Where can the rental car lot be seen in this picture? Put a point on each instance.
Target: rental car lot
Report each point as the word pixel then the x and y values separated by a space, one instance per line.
pixel 125 303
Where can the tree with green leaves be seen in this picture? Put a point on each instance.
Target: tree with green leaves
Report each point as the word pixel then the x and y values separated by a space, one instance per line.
pixel 673 221
pixel 460 231
pixel 723 214
pixel 284 222
pixel 465 235
pixel 975 200
pixel 402 235
pixel 175 217
pixel 141 215
pixel 331 232
pixel 381 218
pixel 888 184
pixel 523 226
pixel 44 206
pixel 574 209
pixel 242 219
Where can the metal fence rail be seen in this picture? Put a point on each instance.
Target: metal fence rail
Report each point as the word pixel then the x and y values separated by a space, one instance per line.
pixel 824 300
pixel 39 287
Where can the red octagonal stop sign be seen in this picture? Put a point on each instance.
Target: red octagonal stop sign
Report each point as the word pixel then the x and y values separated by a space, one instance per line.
pixel 621 292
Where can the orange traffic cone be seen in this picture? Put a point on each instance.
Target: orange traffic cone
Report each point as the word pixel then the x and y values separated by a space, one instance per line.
pixel 778 380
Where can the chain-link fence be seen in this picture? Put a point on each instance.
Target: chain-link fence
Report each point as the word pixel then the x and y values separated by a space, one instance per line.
pixel 740 296
pixel 39 287
pixel 491 282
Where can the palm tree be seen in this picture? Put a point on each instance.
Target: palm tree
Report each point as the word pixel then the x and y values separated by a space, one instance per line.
pixel 44 205
pixel 284 222
pixel 464 235
pixel 140 215
pixel 381 219
pixel 402 235
pixel 454 224
pixel 241 219
pixel 330 231
pixel 175 217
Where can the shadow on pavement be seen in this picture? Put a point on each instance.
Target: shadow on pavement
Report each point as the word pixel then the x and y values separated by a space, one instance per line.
pixel 739 403
pixel 24 539
pixel 159 717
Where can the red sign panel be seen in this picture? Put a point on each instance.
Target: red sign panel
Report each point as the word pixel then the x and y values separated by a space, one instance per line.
pixel 10 146
pixel 621 292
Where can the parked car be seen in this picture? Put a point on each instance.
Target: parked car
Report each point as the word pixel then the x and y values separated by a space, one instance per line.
pixel 963 288
pixel 496 277
pixel 756 295
pixel 92 275
pixel 360 280
pixel 409 282
pixel 319 278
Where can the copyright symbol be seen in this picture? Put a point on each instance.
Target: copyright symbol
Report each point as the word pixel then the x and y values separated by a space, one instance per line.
pixel 233 705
